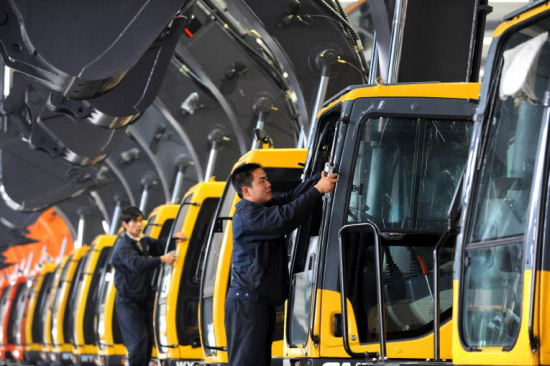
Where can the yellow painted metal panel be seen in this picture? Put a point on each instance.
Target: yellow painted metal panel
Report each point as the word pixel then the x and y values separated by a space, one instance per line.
pixel 420 90
pixel 199 193
pixel 220 287
pixel 274 158
pixel 543 304
pixel 35 344
pixel 80 347
pixel 161 214
pixel 524 17
pixel 420 348
pixel 47 347
pixel 268 158
pixel 58 343
pixel 106 334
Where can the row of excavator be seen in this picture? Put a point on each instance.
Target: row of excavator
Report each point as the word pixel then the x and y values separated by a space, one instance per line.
pixel 432 249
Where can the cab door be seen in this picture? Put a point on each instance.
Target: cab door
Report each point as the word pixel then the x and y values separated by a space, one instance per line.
pixel 502 280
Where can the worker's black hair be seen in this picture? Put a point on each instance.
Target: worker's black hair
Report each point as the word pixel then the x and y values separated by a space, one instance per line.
pixel 242 177
pixel 130 213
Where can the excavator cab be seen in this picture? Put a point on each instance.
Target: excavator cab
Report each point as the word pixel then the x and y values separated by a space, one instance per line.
pixel 283 168
pixel 46 311
pixel 61 325
pixel 501 267
pixel 159 226
pixel 37 301
pixel 11 302
pixel 111 349
pixel 177 303
pixel 20 314
pixel 362 268
pixel 85 342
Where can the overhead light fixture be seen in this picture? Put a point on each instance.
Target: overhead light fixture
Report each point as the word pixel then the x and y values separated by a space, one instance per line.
pixel 8 74
pixel 190 104
pixel 509 1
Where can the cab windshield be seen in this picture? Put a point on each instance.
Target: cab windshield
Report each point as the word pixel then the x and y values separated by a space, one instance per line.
pixel 406 172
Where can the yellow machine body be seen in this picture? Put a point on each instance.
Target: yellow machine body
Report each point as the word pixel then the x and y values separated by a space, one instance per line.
pixel 501 284
pixel 219 266
pixel 39 296
pixel 85 351
pixel 47 346
pixel 61 309
pixel 111 347
pixel 349 111
pixel 158 226
pixel 176 305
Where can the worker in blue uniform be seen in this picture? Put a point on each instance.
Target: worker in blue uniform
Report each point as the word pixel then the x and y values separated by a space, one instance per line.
pixel 134 258
pixel 259 268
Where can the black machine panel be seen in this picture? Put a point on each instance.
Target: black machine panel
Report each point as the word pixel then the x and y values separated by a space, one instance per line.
pixel 101 40
pixel 299 33
pixel 442 42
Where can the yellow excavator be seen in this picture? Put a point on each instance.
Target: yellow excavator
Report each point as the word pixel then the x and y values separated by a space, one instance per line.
pixel 362 270
pixel 37 302
pixel 284 171
pixel 501 274
pixel 177 300
pixel 111 349
pixel 85 344
pixel 45 353
pixel 62 308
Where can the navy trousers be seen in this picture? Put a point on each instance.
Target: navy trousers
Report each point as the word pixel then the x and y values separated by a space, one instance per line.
pixel 250 327
pixel 136 325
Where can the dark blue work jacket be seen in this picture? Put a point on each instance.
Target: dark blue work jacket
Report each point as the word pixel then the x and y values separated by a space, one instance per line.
pixel 259 269
pixel 134 267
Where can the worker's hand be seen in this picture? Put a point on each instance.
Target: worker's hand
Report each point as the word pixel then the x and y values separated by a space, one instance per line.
pixel 168 258
pixel 179 236
pixel 326 184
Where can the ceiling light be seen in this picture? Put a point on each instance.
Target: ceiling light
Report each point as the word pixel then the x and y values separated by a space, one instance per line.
pixel 509 1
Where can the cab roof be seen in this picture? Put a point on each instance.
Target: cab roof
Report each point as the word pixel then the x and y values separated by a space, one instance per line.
pixel 406 90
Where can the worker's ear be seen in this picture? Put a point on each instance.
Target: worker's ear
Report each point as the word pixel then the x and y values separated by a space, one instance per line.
pixel 246 191
pixel 124 225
